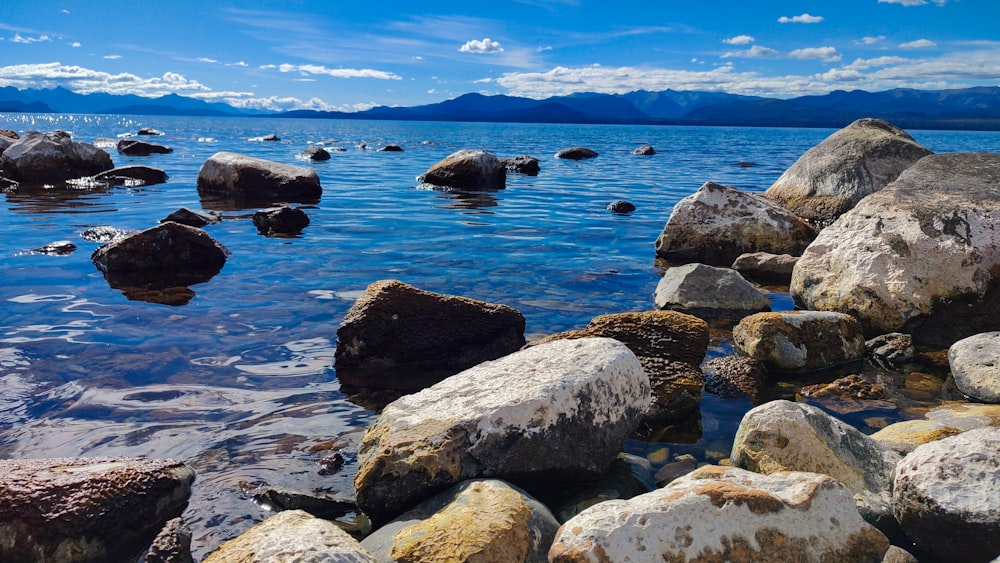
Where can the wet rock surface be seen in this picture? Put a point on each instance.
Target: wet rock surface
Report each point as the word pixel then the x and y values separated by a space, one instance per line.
pixel 282 220
pixel 171 545
pixel 237 180
pixel 735 376
pixel 39 158
pixel 522 164
pixel 467 170
pixel 315 153
pixel 793 341
pixel 192 218
pixel 131 147
pixel 133 175
pixel 577 153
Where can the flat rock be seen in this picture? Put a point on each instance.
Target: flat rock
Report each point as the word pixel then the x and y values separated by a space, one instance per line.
pixel 832 177
pixel 717 224
pixel 975 365
pixel 87 509
pixel 725 514
pixel 795 341
pixel 906 435
pixel 133 175
pixel 709 292
pixel 521 418
pixel 467 170
pixel 132 147
pixel 192 218
pixel 234 176
pixel 766 267
pixel 41 158
pixel 576 153
pixel 946 495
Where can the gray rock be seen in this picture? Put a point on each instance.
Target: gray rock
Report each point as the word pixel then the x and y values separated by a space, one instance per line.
pixel 787 436
pixel 40 158
pixel 521 418
pixel 87 509
pixel 149 131
pixel 891 349
pixel 467 170
pixel 965 416
pixel 6 142
pixel 292 535
pixel 708 292
pixel 644 150
pixel 766 267
pixel 856 161
pixel 621 206
pixel 975 365
pixel 171 545
pixel 946 496
pixel 133 175
pixel 522 164
pixel 57 248
pixel 479 520
pixel 315 153
pixel 238 177
pixel 166 248
pixel 795 341
pixel 192 218
pixel 725 514
pixel 282 220
pixel 131 147
pixel 576 153
pixel 718 223
pixel 916 257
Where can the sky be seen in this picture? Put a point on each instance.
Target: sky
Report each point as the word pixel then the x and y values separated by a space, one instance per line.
pixel 350 55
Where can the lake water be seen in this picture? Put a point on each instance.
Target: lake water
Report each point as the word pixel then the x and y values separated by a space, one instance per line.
pixel 240 381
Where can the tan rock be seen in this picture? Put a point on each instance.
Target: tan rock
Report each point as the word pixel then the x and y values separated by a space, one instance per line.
pixel 799 340
pixel 904 436
pixel 292 535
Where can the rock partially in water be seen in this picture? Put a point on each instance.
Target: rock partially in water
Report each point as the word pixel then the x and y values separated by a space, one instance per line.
pixel 644 150
pixel 467 170
pixel 766 267
pixel 6 142
pixel 975 365
pixel 710 293
pixel 41 158
pixel 621 206
pixel 521 418
pixel 192 218
pixel 238 179
pixel 131 147
pixel 725 514
pixel 57 248
pixel 391 148
pixel 320 505
pixel 577 153
pixel 149 131
pixel 87 509
pixel 171 545
pixel 797 341
pixel 903 437
pixel 735 376
pixel 522 164
pixel 280 221
pixel 133 175
pixel 892 349
pixel 6 184
pixel 314 153
pixel 966 416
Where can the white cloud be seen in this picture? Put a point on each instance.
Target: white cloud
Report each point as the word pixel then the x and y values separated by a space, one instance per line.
pixel 739 40
pixel 88 81
pixel 27 39
pixel 339 72
pixel 543 49
pixel 804 18
pixel 75 44
pixel 487 45
pixel 918 44
pixel 267 67
pixel 238 63
pixel 826 54
pixel 112 57
pixel 865 64
pixel 870 40
pixel 206 60
pixel 751 53
pixel 482 81
pixel 64 11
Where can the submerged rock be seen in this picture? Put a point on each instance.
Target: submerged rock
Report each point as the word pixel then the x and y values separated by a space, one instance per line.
pixel 192 218
pixel 576 153
pixel 644 150
pixel 467 170
pixel 708 292
pixel 292 535
pixel 135 175
pixel 314 153
pixel 891 349
pixel 57 248
pixel 242 178
pixel 796 341
pixel 131 147
pixel 40 158
pixel 282 220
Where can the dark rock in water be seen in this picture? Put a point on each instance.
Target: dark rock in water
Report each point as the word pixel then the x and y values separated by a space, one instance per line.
pixel 282 220
pixel 149 131
pixel 621 206
pixel 58 248
pixel 315 153
pixel 131 147
pixel 576 153
pixel 143 175
pixel 746 164
pixel 321 505
pixel 41 158
pixel 391 148
pixel 467 170
pixel 6 184
pixel 735 376
pixel 361 146
pixel 191 218
pixel 103 234
pixel 398 336
pixel 644 150
pixel 522 164
pixel 87 509
pixel 243 180
pixel 172 544
pixel 891 349
pixel 267 138
pixel 9 134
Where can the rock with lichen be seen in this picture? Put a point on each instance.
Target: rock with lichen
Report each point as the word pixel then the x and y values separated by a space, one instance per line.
pixel 796 341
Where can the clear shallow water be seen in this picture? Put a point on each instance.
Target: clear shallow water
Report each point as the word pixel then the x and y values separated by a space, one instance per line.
pixel 239 382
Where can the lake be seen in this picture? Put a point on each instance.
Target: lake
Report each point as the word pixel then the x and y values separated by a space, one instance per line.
pixel 240 382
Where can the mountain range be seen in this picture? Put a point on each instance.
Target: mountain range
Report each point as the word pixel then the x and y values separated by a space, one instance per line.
pixel 965 108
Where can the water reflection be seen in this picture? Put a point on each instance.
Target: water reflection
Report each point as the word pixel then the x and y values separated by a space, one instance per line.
pixel 163 287
pixel 61 198
pixel 464 200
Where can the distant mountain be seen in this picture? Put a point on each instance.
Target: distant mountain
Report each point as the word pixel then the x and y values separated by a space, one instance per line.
pixel 61 100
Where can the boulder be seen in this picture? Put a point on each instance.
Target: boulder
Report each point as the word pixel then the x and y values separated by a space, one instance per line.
pixel 282 220
pixel 975 365
pixel 670 346
pixel 786 436
pixel 766 267
pixel 479 520
pixel 725 514
pixel 832 177
pixel 467 170
pixel 891 350
pixel 946 496
pixel 398 336
pixel 171 545
pixel 710 293
pixel 6 184
pixel 903 437
pixel 521 418
pixel 40 158
pixel 576 153
pixel 315 153
pixel 87 509
pixel 796 341
pixel 391 148
pixel 735 376
pixel 166 248
pixel 133 175
pixel 149 131
pixel 921 256
pixel 644 150
pixel 131 147
pixel 292 535
pixel 56 248
pixel 9 134
pixel 621 206
pixel 522 164
pixel 234 176
pixel 718 223
pixel 192 218
pixel 6 142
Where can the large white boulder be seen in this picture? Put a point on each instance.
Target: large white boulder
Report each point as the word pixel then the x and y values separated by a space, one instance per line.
pixel 975 365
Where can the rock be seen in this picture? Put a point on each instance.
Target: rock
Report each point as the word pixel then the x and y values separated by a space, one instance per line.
pixel 320 505
pixel 167 247
pixel 795 341
pixel 133 176
pixel 57 248
pixel 522 164
pixel 9 134
pixel 391 148
pixel 171 545
pixel 292 535
pixel 282 220
pixel 266 138
pixel 239 177
pixel 718 223
pixel 41 158
pixel 708 292
pixel 644 150
pixel 897 554
pixel 192 218
pixel 975 365
pixel 670 346
pixel 479 520
pixel 130 147
pixel 916 257
pixel 903 437
pixel 87 509
pixel 852 387
pixel 398 336
pixel 832 177
pixel 766 267
pixel 746 164
pixel 946 496
pixel 890 350
pixel 6 184
pixel 965 416
pixel 6 142
pixel 725 514
pixel 521 418
pixel 735 376
pixel 467 170
pixel 787 436
pixel 576 153
pixel 149 131
pixel 314 153
pixel 621 206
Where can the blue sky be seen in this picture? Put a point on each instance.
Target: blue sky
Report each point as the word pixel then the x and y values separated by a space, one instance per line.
pixel 352 55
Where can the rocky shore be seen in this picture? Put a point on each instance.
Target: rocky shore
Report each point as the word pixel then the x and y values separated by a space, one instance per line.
pixel 891 255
